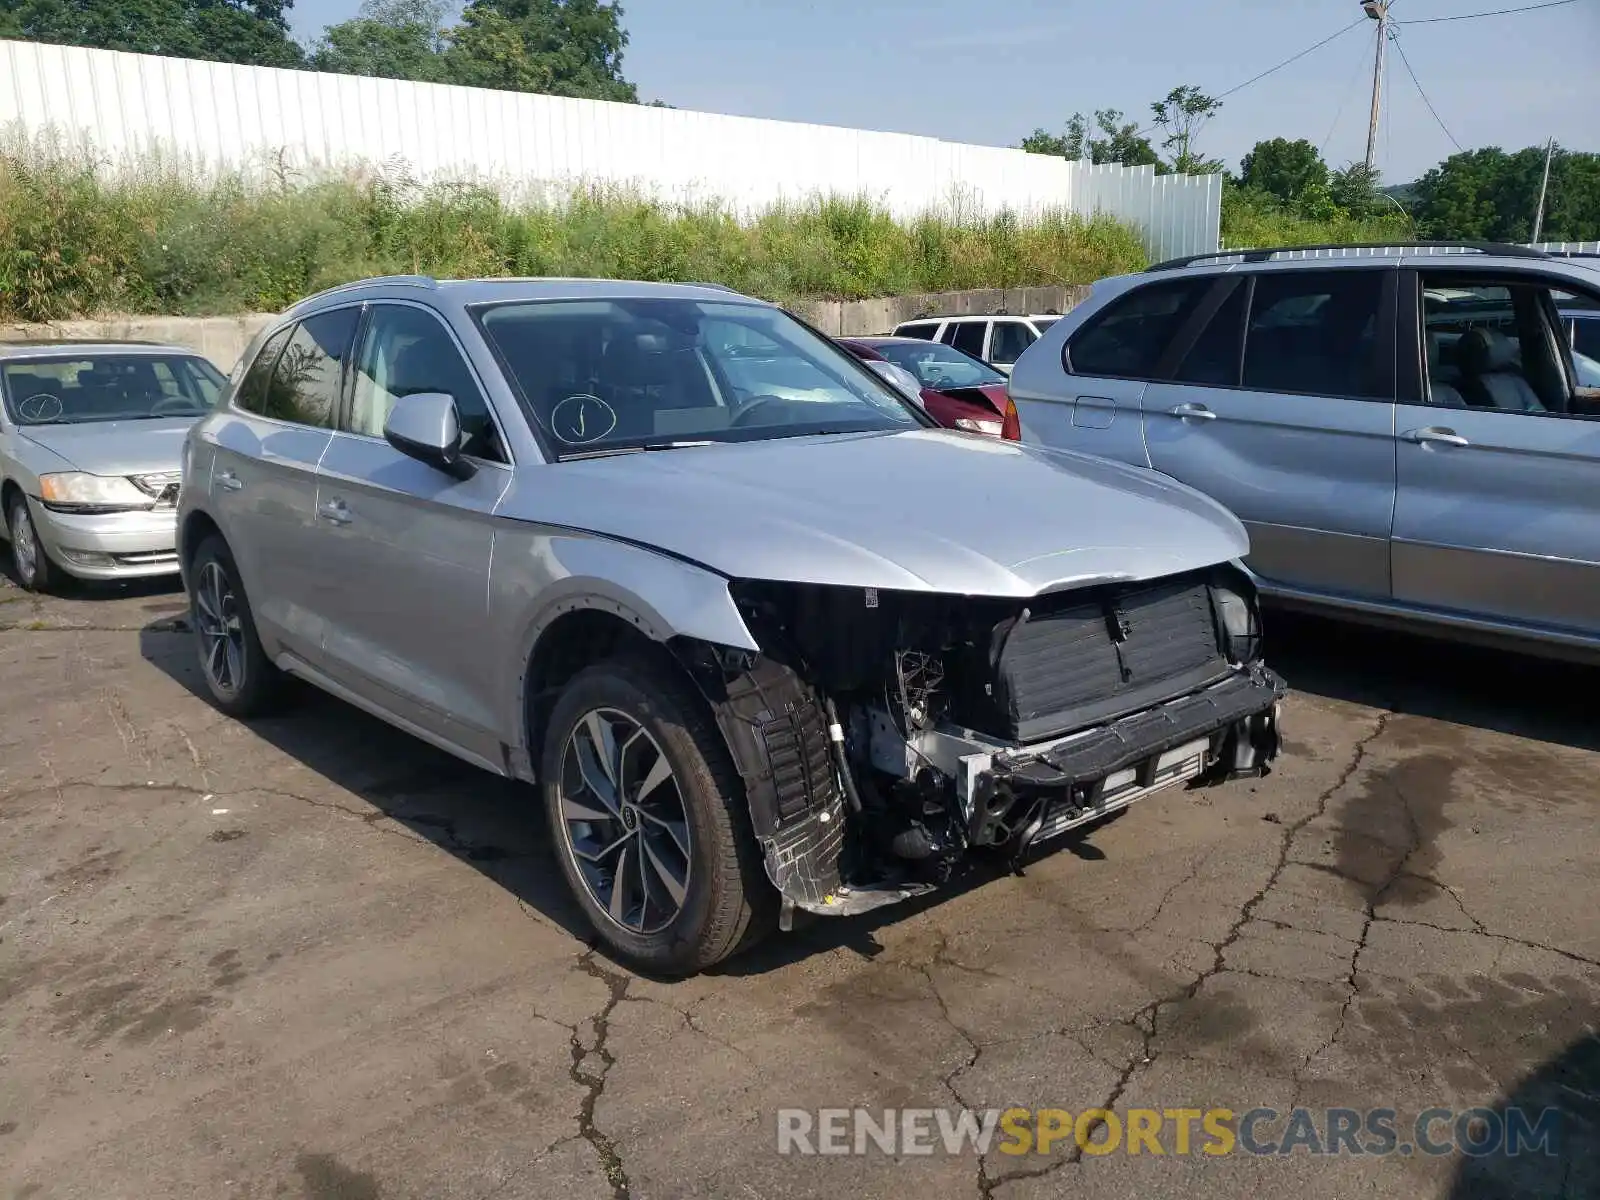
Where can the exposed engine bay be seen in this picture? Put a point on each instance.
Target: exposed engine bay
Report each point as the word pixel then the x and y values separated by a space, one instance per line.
pixel 886 737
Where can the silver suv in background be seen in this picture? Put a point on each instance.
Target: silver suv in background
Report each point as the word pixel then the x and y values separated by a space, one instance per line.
pixel 1406 432
pixel 662 550
pixel 91 438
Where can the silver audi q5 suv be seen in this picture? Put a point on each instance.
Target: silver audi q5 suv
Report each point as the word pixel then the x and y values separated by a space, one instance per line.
pixel 762 635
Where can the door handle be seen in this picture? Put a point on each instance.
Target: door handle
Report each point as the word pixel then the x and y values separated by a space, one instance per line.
pixel 1435 433
pixel 334 512
pixel 1198 412
pixel 228 481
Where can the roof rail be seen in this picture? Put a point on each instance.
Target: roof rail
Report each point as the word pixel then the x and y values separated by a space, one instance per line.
pixel 719 287
pixel 1266 254
pixel 421 281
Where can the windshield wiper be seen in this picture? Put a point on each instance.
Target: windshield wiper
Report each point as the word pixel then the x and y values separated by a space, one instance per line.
pixel 610 451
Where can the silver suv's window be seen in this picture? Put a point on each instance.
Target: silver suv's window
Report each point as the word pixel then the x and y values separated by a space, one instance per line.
pixel 615 374
pixel 304 385
pixel 1315 332
pixel 1128 338
pixel 404 351
pixel 75 390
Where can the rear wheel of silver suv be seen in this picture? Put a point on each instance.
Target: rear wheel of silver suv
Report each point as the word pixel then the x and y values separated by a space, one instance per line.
pixel 649 820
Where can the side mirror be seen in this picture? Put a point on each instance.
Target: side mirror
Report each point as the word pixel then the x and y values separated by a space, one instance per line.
pixel 899 378
pixel 426 426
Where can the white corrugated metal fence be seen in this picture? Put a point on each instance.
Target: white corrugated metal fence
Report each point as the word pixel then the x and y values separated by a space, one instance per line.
pixel 128 106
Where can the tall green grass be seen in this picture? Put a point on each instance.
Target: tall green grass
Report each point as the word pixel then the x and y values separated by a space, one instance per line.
pixel 77 241
pixel 1251 221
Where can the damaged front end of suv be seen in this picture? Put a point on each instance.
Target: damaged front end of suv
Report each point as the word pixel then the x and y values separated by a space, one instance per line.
pixel 886 738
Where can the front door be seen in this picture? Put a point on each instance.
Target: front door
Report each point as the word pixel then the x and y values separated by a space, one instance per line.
pixel 409 546
pixel 1292 428
pixel 264 476
pixel 1498 511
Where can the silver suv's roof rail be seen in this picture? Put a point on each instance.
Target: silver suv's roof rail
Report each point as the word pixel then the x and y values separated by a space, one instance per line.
pixel 420 281
pixel 1266 254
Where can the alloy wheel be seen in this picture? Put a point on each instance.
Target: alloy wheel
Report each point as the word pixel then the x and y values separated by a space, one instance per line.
pixel 24 545
pixel 220 629
pixel 624 822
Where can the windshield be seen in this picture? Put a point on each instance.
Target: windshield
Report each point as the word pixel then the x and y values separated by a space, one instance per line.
pixel 601 375
pixel 939 366
pixel 109 387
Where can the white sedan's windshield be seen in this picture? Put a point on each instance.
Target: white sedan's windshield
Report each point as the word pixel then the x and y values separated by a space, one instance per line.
pixel 599 375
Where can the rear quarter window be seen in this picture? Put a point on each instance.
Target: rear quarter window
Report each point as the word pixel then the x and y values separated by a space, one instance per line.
pixel 1127 339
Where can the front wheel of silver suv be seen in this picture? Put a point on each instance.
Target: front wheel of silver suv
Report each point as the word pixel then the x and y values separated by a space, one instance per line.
pixel 649 820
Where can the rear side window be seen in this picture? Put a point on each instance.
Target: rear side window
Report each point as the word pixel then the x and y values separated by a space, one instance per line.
pixel 1213 360
pixel 969 337
pixel 924 331
pixel 1316 332
pixel 1127 340
pixel 252 394
pixel 1010 339
pixel 304 388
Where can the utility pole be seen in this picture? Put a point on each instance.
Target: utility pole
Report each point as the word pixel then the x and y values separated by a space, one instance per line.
pixel 1544 187
pixel 1378 10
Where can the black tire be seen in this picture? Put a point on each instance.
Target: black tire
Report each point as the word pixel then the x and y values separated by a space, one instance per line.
pixel 257 686
pixel 40 574
pixel 728 904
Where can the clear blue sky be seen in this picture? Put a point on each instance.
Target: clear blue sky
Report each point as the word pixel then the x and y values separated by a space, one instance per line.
pixel 990 73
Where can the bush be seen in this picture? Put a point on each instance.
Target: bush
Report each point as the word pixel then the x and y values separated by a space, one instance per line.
pixel 166 238
pixel 1255 218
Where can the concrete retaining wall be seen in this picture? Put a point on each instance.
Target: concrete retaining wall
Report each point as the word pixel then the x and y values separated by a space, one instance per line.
pixel 223 339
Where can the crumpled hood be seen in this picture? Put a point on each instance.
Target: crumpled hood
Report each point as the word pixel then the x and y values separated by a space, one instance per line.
pixel 116 447
pixel 924 510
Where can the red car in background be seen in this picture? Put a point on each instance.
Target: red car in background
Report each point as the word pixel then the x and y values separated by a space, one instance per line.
pixel 957 390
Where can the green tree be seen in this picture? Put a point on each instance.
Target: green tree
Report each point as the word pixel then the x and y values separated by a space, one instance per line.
pixel 1284 169
pixel 559 47
pixel 1357 189
pixel 238 31
pixel 1180 117
pixel 1492 195
pixel 1119 141
pixel 391 39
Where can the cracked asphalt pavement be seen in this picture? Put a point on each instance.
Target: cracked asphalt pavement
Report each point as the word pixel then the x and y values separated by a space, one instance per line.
pixel 312 957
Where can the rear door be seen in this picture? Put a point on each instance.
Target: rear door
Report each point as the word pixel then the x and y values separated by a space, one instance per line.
pixel 1088 398
pixel 263 483
pixel 969 337
pixel 1498 509
pixel 1279 402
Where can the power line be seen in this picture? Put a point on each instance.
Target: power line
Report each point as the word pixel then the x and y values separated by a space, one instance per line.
pixel 1309 49
pixel 1421 92
pixel 1274 70
pixel 1501 12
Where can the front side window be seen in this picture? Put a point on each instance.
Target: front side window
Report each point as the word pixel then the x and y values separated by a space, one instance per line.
pixel 1127 339
pixel 1499 344
pixel 940 367
pixel 602 375
pixel 1316 333
pixel 77 390
pixel 405 351
pixel 968 337
pixel 304 385
pixel 1010 339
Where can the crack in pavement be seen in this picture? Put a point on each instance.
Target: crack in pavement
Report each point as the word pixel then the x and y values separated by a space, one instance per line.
pixel 594 1081
pixel 1146 1020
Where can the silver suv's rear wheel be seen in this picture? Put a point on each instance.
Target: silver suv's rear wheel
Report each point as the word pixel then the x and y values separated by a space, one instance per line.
pixel 649 819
